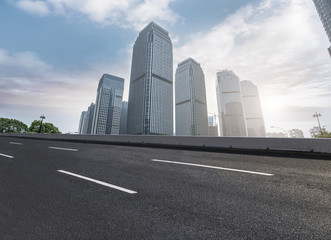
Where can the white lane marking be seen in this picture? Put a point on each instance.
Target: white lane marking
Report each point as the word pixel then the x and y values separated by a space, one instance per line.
pixel 4 155
pixel 65 149
pixel 207 166
pixel 98 182
pixel 16 143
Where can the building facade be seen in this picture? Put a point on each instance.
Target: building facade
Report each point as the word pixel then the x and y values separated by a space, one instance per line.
pixel 253 110
pixel 124 117
pixel 150 107
pixel 230 105
pixel 108 105
pixel 191 103
pixel 89 119
pixel 324 11
pixel 81 122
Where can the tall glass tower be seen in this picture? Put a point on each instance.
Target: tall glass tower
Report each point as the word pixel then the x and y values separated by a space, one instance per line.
pixel 150 107
pixel 191 103
pixel 108 105
pixel 324 10
pixel 253 110
pixel 230 105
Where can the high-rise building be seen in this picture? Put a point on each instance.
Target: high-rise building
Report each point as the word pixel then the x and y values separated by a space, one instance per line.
pixel 212 127
pixel 89 120
pixel 150 107
pixel 124 117
pixel 253 111
pixel 324 10
pixel 191 103
pixel 81 122
pixel 108 105
pixel 230 105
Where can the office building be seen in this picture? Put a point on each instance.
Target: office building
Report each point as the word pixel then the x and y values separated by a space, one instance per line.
pixel 150 107
pixel 124 117
pixel 89 120
pixel 85 123
pixel 108 105
pixel 253 110
pixel 324 11
pixel 191 103
pixel 230 105
pixel 81 122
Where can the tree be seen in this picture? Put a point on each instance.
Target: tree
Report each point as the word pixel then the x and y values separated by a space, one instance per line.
pixel 46 127
pixel 12 126
pixel 323 134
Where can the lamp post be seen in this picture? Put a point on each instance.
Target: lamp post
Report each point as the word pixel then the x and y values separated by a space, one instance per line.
pixel 317 115
pixel 41 123
pixel 281 129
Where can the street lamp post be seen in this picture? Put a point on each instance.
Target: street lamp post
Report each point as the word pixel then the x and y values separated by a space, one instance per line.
pixel 317 115
pixel 41 123
pixel 286 132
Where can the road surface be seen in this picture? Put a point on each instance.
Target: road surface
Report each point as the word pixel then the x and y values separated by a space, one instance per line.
pixel 66 190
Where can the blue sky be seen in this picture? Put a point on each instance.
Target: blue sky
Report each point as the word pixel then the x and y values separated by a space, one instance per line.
pixel 53 53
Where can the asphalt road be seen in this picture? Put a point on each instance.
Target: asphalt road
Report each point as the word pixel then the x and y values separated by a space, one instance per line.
pixel 65 190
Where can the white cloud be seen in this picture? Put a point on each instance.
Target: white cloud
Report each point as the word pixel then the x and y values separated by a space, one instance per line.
pixel 26 62
pixel 279 45
pixel 39 8
pixel 124 13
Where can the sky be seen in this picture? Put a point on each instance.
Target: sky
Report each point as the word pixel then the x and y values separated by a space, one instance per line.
pixel 54 52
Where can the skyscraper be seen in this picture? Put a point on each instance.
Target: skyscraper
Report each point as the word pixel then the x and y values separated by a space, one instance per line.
pixel 150 107
pixel 230 105
pixel 191 103
pixel 253 110
pixel 124 117
pixel 108 105
pixel 324 10
pixel 90 113
pixel 81 122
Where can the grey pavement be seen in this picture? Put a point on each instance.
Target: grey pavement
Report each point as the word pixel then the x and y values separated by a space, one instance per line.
pixel 177 194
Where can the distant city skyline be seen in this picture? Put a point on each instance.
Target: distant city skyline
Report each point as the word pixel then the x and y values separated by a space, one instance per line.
pixel 51 56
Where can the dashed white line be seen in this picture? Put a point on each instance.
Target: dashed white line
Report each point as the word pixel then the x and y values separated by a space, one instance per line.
pixel 16 143
pixel 214 167
pixel 98 182
pixel 65 149
pixel 4 155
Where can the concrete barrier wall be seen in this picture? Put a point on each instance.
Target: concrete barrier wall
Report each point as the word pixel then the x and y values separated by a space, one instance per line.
pixel 244 143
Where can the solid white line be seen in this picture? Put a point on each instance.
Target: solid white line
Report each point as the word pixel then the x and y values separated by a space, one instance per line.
pixel 207 166
pixel 65 149
pixel 16 143
pixel 4 155
pixel 98 182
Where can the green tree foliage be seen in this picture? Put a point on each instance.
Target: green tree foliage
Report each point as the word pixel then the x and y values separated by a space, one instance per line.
pixel 12 126
pixel 323 134
pixel 46 127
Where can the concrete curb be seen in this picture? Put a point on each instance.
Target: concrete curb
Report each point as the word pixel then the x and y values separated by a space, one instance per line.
pixel 291 147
